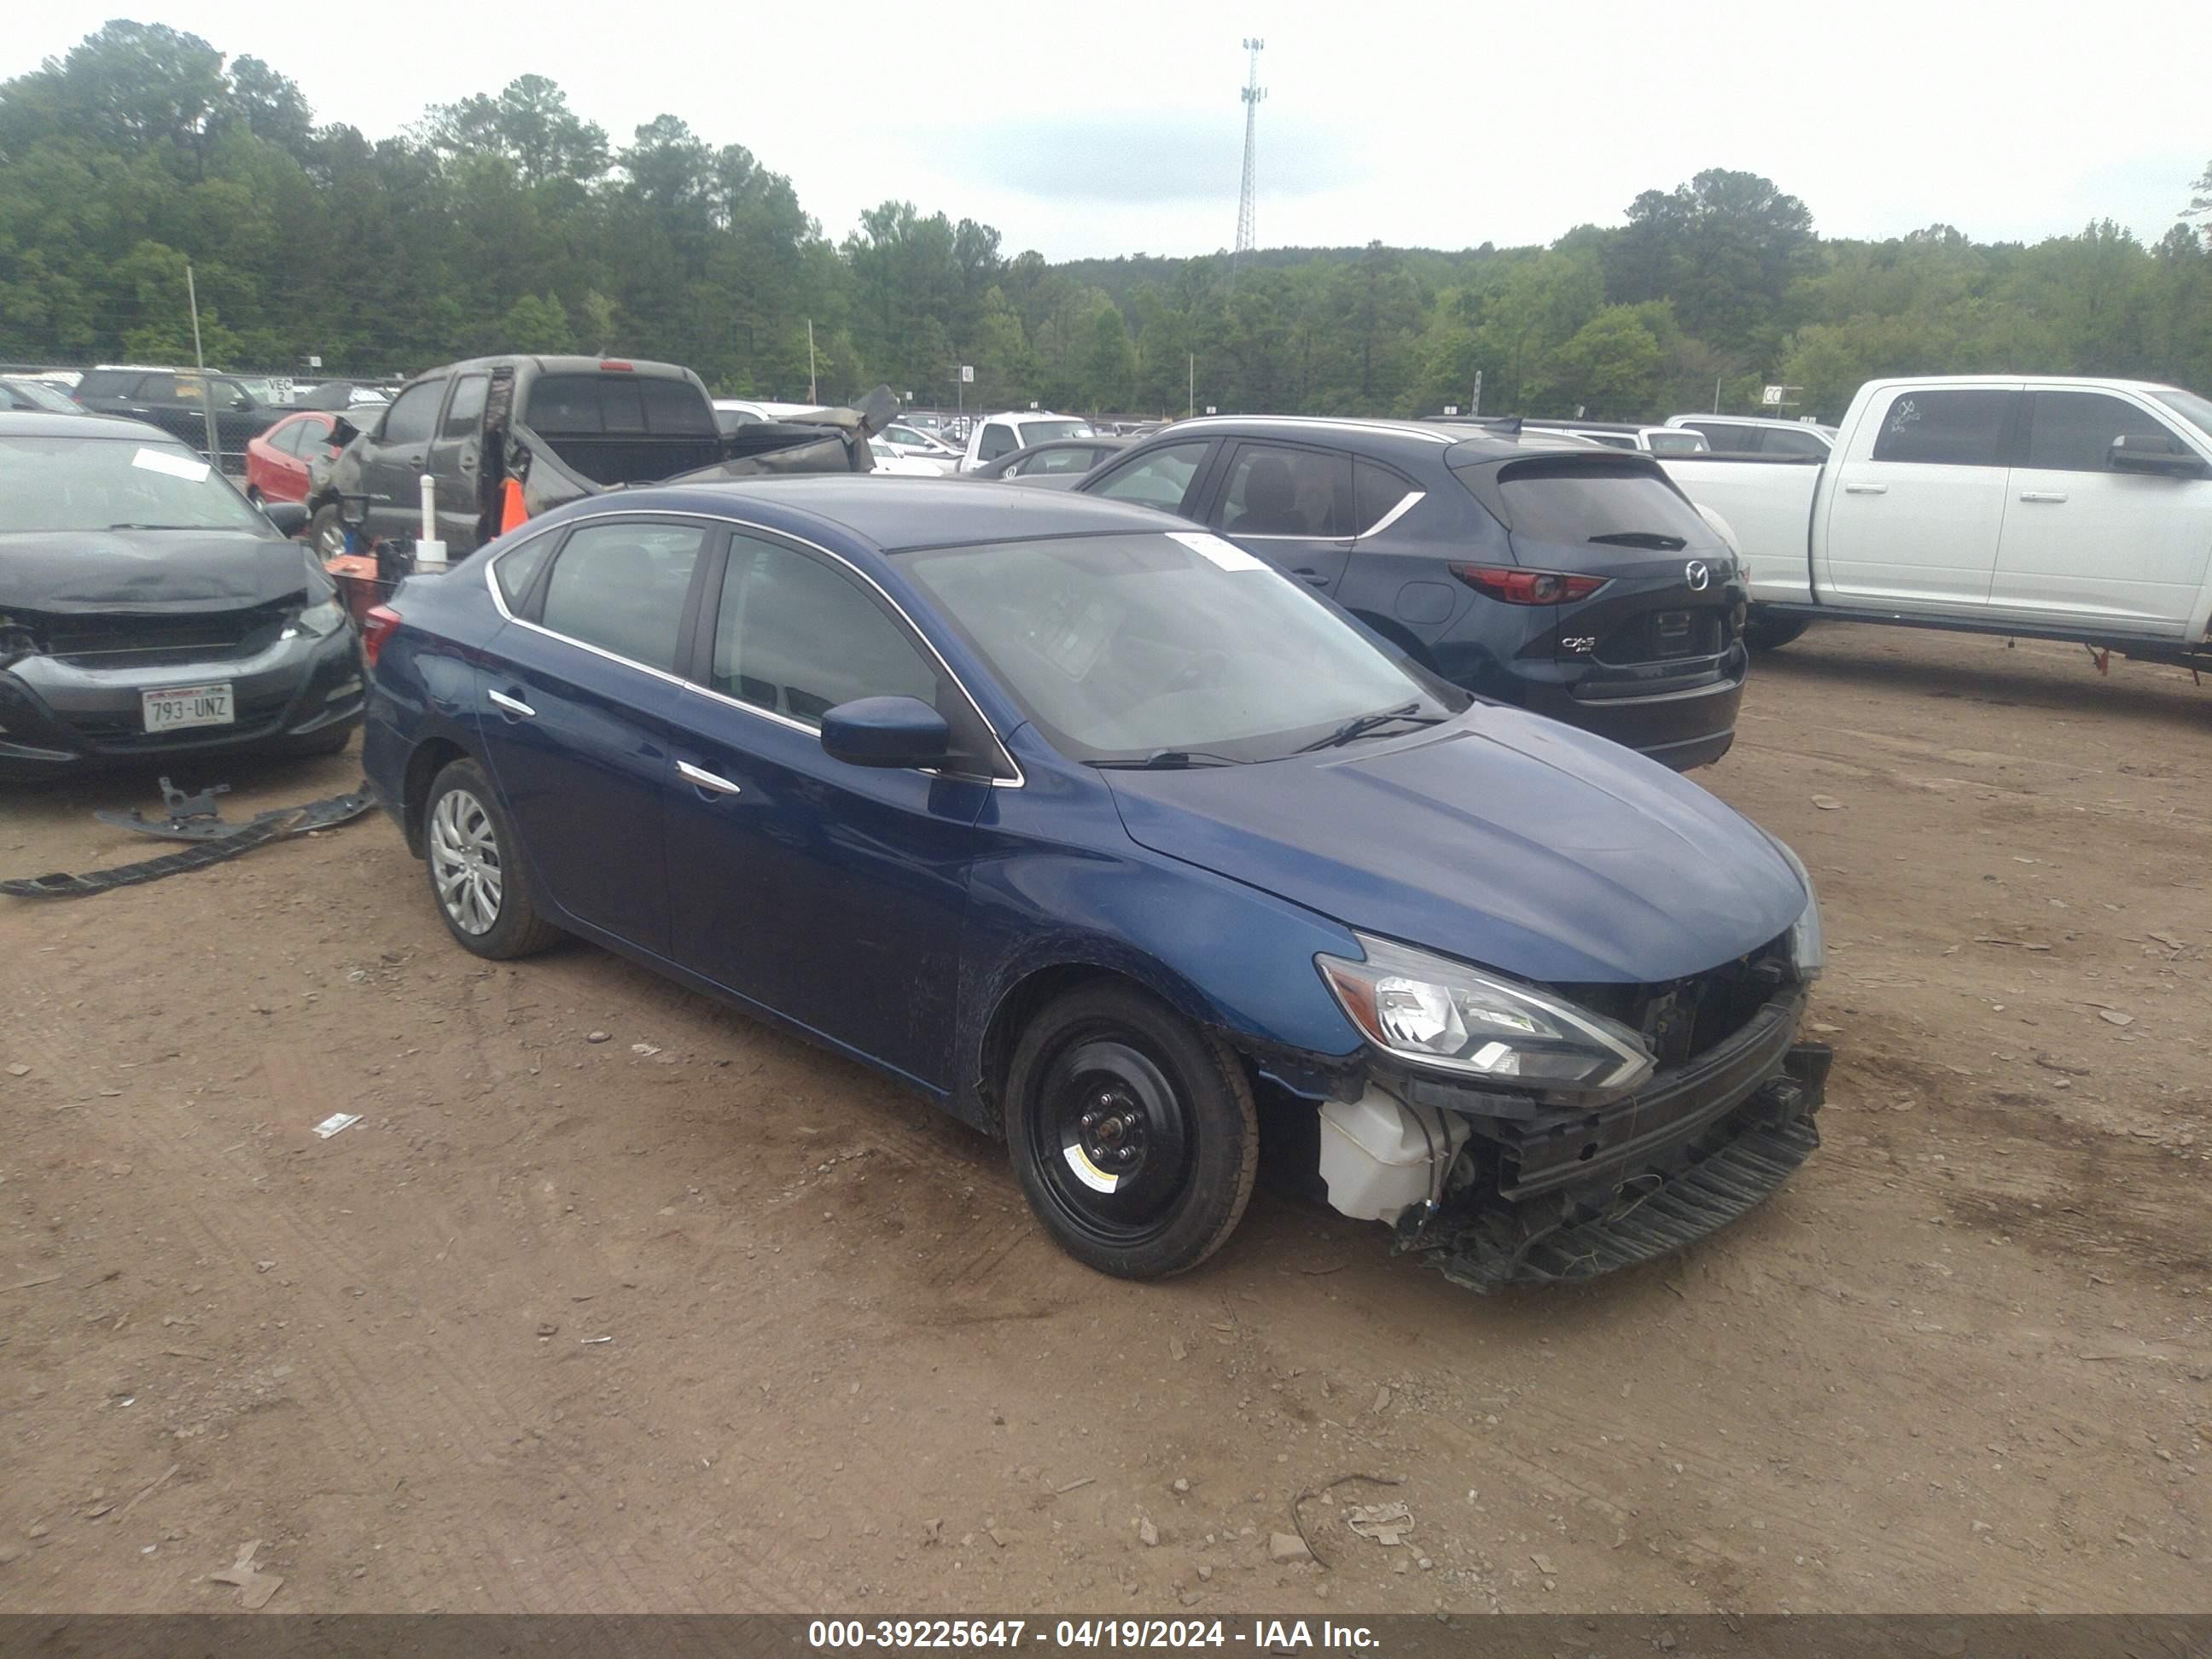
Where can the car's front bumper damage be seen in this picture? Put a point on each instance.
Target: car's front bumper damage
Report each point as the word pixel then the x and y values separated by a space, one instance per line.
pixel 1494 1189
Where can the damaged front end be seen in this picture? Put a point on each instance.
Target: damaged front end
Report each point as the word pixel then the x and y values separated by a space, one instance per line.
pixel 1561 1132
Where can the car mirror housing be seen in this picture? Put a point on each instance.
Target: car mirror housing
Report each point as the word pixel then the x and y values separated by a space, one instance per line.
pixel 290 518
pixel 886 732
pixel 2140 453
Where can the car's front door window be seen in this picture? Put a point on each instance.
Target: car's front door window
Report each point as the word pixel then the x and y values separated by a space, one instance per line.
pixel 796 636
pixel 1275 490
pixel 620 587
pixel 1160 478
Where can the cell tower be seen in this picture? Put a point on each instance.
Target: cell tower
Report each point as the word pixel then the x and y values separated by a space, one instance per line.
pixel 1248 202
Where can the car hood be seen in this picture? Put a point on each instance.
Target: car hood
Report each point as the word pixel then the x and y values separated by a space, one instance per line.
pixel 1503 839
pixel 153 572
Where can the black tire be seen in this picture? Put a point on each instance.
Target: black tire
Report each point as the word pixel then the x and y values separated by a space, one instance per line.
pixel 253 495
pixel 325 535
pixel 1108 1085
pixel 1764 631
pixel 475 823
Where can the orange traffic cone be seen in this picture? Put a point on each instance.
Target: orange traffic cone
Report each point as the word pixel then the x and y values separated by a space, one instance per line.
pixel 512 512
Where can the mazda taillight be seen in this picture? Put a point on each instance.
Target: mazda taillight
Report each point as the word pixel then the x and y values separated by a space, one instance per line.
pixel 379 624
pixel 1518 586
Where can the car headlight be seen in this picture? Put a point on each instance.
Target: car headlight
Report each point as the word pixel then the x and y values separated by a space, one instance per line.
pixel 1808 949
pixel 1444 1013
pixel 318 621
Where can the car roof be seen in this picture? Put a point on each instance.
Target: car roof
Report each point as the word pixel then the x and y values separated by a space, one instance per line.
pixel 895 514
pixel 1414 438
pixel 45 424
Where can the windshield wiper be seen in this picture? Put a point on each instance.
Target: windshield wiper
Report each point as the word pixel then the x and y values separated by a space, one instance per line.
pixel 1653 539
pixel 1366 723
pixel 155 526
pixel 1169 760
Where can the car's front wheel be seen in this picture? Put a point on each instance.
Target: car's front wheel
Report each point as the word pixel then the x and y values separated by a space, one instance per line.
pixel 325 535
pixel 1132 1131
pixel 476 876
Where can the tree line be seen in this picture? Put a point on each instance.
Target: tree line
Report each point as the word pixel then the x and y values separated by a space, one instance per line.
pixel 509 222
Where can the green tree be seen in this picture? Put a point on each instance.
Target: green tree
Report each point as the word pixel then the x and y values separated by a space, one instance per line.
pixel 538 326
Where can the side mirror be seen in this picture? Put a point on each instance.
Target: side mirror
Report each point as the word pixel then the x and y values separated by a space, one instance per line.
pixel 342 432
pixel 2160 455
pixel 886 732
pixel 290 518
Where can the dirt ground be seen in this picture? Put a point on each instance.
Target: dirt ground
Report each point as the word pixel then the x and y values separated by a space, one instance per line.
pixel 698 1319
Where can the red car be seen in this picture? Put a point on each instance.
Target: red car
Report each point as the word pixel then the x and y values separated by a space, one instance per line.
pixel 277 460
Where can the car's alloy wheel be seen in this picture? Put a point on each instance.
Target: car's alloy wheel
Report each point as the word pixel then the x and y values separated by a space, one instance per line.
pixel 465 862
pixel 327 535
pixel 1131 1131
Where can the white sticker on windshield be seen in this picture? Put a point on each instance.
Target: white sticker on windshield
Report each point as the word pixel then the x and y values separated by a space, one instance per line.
pixel 1227 554
pixel 176 466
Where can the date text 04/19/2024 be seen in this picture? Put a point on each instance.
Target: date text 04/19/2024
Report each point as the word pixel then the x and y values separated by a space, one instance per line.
pixel 1257 1635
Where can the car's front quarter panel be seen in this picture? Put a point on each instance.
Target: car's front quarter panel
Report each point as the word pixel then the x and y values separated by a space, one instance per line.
pixel 1057 884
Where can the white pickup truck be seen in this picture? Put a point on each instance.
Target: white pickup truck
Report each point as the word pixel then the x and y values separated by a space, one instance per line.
pixel 2044 508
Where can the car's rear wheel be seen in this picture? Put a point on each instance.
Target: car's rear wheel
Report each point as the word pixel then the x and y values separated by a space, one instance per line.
pixel 477 878
pixel 1764 631
pixel 1133 1132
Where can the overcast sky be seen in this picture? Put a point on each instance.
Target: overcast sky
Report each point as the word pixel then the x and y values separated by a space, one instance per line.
pixel 1116 127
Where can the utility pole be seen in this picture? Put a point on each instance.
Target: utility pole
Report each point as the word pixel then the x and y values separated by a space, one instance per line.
pixel 199 362
pixel 1190 390
pixel 1254 96
pixel 813 395
pixel 1474 402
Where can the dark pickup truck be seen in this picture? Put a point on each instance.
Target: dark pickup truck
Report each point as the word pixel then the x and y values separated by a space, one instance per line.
pixel 557 429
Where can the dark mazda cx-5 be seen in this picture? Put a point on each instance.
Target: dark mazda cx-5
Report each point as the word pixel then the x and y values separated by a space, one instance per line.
pixel 1570 579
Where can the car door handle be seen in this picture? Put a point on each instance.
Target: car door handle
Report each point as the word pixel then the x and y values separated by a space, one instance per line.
pixel 514 706
pixel 2043 495
pixel 1866 490
pixel 712 783
pixel 1306 572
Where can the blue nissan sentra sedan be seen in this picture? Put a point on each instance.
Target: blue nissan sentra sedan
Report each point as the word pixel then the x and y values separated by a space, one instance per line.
pixel 1120 846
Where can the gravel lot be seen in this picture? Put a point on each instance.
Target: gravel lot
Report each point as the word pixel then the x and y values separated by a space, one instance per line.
pixel 697 1319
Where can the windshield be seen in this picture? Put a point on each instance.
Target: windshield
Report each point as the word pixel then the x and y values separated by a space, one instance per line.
pixel 110 484
pixel 1125 648
pixel 2196 410
pixel 1038 432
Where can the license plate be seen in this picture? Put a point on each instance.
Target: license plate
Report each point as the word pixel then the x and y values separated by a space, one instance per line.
pixel 175 708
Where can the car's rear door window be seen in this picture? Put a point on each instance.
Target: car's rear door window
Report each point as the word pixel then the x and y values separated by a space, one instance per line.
pixel 794 635
pixel 622 586
pixel 1952 426
pixel 1276 489
pixel 1375 492
pixel 1160 477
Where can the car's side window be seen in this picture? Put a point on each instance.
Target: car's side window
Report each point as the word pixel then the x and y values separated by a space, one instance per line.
pixel 796 636
pixel 621 586
pixel 516 568
pixel 410 419
pixel 1376 493
pixel 1959 426
pixel 466 408
pixel 1060 460
pixel 1279 491
pixel 997 440
pixel 2073 431
pixel 1779 442
pixel 1160 477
